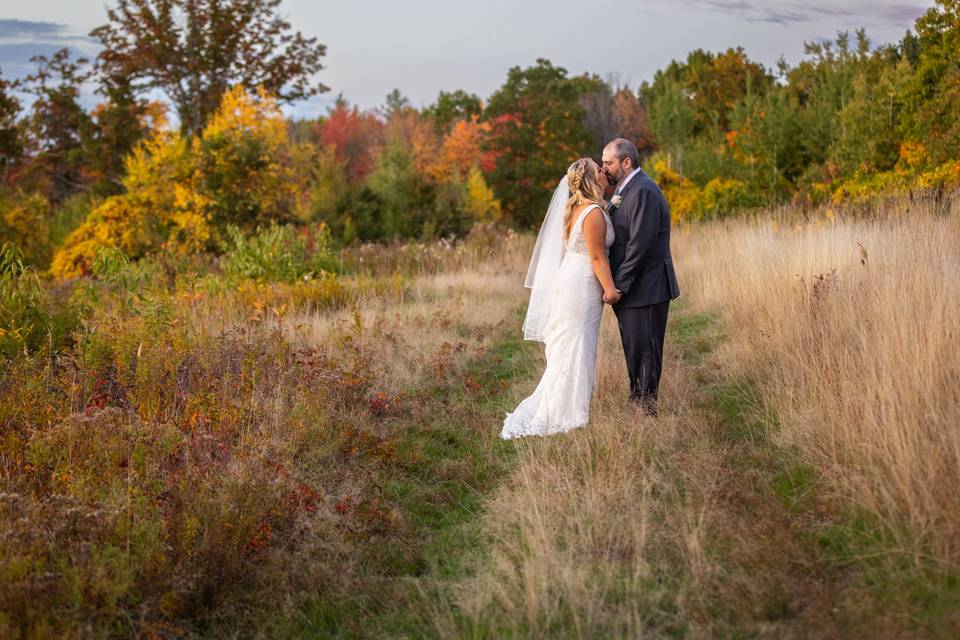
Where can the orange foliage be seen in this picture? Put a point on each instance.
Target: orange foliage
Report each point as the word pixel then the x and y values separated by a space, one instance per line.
pixel 461 150
pixel 417 133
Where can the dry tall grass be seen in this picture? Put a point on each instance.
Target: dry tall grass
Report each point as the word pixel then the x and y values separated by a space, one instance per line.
pixel 853 328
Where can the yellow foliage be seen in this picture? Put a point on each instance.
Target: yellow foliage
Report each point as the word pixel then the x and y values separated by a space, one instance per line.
pixel 161 208
pixel 240 115
pixel 912 155
pixel 23 221
pixel 683 195
pixel 115 223
pixel 904 177
pixel 722 195
pixel 241 169
pixel 480 201
pixel 248 167
pixel 946 175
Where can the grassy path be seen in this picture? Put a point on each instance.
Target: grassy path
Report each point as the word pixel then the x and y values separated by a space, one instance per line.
pixel 766 576
pixel 789 561
pixel 693 525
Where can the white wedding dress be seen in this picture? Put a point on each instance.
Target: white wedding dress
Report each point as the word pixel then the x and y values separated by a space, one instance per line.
pixel 562 399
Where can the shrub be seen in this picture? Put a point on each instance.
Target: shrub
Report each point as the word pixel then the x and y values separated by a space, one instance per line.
pixel 277 253
pixel 23 221
pixel 29 320
pixel 180 195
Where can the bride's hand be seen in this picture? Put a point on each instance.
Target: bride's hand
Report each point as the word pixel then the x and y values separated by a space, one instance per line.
pixel 612 298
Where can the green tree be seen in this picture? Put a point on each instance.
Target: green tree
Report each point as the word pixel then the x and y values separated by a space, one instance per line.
pixel 453 106
pixel 11 145
pixel 394 104
pixel 58 129
pixel 932 101
pixel 537 129
pixel 870 140
pixel 822 85
pixel 395 184
pixel 672 120
pixel 765 142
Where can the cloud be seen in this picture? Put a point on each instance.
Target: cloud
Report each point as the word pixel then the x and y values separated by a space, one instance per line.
pixel 791 11
pixel 30 30
pixel 20 40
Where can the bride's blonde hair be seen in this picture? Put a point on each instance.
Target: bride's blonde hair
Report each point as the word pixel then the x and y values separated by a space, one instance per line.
pixel 584 182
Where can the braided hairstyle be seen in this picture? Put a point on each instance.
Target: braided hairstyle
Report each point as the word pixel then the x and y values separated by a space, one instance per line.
pixel 584 188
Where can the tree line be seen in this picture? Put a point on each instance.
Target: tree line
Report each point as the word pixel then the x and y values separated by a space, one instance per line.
pixel 719 131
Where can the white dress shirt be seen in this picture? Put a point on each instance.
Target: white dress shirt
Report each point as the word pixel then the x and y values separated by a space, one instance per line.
pixel 623 185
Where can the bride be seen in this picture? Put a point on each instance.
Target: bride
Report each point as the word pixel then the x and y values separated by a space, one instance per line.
pixel 570 279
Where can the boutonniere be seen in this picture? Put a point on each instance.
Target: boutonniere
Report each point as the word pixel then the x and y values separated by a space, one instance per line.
pixel 615 201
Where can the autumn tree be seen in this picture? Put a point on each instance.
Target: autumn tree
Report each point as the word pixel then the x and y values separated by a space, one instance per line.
pixel 195 50
pixel 712 83
pixel 462 149
pixel 632 119
pixel 537 129
pixel 356 137
pixel 180 194
pixel 249 173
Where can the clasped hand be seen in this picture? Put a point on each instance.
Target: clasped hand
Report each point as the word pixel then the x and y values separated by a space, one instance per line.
pixel 612 298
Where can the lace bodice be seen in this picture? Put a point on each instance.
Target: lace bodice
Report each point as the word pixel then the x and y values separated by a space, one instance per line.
pixel 576 242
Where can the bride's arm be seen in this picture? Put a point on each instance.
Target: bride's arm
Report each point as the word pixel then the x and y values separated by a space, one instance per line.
pixel 594 237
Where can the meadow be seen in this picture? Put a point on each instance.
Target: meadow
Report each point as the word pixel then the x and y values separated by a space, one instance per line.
pixel 254 367
pixel 213 454
pixel 208 452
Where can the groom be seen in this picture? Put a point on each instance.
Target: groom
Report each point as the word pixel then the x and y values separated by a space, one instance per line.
pixel 642 268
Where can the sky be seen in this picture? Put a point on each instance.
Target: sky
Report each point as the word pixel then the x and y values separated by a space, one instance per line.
pixel 424 46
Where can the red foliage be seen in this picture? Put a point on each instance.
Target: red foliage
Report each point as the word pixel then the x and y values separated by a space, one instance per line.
pixel 355 136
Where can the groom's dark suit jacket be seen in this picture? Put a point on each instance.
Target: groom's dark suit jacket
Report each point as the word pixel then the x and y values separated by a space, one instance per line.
pixel 640 255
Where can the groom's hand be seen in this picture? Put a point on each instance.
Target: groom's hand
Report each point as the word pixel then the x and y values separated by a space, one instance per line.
pixel 612 298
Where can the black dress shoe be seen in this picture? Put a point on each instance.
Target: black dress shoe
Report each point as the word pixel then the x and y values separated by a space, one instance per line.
pixel 648 404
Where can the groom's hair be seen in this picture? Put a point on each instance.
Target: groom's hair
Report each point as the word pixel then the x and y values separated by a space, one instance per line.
pixel 623 148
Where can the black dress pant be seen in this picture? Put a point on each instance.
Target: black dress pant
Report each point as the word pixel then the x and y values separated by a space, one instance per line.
pixel 642 332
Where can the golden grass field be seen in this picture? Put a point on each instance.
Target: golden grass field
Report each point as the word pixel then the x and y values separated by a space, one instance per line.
pixel 800 481
pixel 258 464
